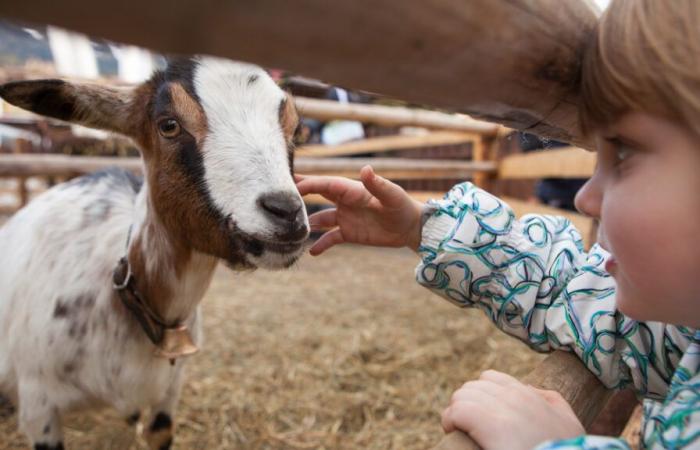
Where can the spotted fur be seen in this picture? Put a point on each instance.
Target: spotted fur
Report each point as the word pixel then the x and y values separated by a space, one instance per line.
pixel 221 189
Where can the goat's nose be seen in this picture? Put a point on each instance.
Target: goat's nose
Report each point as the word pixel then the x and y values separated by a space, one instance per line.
pixel 281 206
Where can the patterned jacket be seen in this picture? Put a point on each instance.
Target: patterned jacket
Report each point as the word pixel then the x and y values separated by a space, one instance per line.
pixel 534 280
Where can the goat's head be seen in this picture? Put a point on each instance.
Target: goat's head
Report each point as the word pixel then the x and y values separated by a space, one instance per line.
pixel 215 137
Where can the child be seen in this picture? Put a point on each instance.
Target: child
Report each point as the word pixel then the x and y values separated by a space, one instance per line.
pixel 628 308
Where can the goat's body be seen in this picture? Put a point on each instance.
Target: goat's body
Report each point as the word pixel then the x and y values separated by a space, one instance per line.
pixel 216 139
pixel 65 340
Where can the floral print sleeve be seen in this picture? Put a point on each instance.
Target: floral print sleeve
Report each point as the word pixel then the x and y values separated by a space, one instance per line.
pixel 534 280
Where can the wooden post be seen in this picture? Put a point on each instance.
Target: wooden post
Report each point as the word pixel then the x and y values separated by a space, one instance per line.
pixel 22 191
pixel 480 153
pixel 562 372
pixel 516 62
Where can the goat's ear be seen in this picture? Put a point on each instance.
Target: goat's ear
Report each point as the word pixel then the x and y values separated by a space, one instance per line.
pixel 91 105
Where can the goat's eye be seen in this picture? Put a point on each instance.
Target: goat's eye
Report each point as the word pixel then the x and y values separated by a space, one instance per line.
pixel 169 128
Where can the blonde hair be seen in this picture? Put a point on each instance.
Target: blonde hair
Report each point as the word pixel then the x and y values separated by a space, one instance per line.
pixel 644 56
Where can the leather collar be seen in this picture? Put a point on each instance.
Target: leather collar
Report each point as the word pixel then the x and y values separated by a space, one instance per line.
pixel 171 340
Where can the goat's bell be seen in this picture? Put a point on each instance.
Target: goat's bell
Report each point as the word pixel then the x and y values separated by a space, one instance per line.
pixel 177 342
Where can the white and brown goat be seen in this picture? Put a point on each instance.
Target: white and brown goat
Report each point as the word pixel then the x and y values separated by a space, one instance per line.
pixel 101 277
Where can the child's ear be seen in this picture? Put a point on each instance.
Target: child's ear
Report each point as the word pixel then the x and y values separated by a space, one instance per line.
pixel 90 105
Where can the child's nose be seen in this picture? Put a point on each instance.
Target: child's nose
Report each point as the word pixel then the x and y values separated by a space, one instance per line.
pixel 588 198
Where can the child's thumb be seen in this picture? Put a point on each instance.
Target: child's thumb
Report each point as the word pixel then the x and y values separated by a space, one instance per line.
pixel 388 193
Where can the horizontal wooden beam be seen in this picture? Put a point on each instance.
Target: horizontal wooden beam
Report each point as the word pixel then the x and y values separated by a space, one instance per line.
pixel 393 168
pixel 387 143
pixel 28 165
pixel 389 116
pixel 570 162
pixel 516 62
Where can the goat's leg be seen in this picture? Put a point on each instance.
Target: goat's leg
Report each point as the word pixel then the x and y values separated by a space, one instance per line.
pixel 159 434
pixel 39 419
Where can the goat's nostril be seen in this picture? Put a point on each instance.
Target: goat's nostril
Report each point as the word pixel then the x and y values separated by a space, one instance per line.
pixel 281 206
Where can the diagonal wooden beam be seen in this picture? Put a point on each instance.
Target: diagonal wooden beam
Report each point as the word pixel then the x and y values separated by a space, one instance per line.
pixel 515 62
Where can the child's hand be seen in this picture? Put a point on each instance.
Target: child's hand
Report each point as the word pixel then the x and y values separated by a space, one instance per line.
pixel 372 212
pixel 498 412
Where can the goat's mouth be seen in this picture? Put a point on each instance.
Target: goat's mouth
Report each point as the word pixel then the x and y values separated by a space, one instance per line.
pixel 283 248
pixel 276 250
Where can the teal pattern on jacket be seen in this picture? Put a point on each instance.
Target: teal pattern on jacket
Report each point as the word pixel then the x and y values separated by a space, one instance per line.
pixel 534 280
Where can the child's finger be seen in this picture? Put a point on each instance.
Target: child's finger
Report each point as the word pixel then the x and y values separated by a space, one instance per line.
pixel 498 377
pixel 328 240
pixel 299 177
pixel 388 193
pixel 323 219
pixel 335 189
pixel 461 415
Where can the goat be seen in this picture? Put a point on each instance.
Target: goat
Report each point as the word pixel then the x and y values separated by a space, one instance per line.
pixel 101 276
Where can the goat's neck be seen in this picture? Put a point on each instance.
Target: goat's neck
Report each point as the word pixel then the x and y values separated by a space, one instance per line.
pixel 170 276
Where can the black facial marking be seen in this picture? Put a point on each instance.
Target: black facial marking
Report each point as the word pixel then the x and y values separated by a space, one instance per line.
pixel 181 70
pixel 161 421
pixel 252 79
pixel 45 97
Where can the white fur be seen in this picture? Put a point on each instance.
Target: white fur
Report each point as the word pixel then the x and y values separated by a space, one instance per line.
pixel 245 154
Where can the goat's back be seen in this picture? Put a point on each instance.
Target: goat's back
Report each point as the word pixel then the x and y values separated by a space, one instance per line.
pixel 56 256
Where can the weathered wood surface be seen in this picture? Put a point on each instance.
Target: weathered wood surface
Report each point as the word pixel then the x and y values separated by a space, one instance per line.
pixel 388 143
pixel 389 116
pixel 562 372
pixel 394 168
pixel 516 62
pixel 570 162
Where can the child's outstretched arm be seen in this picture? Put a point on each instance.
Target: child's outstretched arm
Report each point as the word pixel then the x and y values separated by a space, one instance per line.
pixel 534 280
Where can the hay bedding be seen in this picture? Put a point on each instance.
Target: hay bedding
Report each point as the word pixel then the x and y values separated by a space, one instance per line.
pixel 345 351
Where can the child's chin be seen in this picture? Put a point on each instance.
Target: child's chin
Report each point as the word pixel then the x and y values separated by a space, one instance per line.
pixel 632 307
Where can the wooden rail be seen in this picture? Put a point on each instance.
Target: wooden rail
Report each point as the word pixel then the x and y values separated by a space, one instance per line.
pixel 515 62
pixel 562 372
pixel 325 110
pixel 388 143
pixel 395 168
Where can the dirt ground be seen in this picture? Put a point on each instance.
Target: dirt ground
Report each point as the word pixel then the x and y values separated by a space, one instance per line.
pixel 344 351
